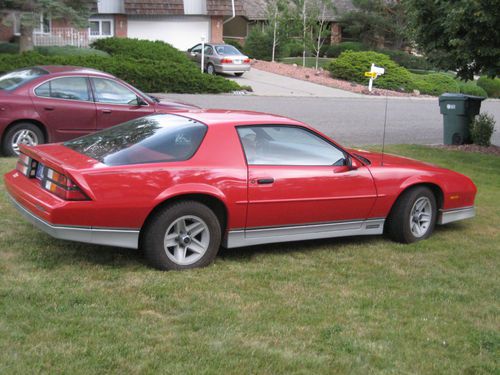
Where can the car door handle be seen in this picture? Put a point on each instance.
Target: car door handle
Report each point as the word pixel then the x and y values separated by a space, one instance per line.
pixel 49 108
pixel 263 181
pixel 106 111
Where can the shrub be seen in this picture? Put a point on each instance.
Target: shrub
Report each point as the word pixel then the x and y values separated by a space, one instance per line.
pixel 334 50
pixel 470 88
pixel 351 66
pixel 481 129
pixel 293 48
pixel 69 51
pixel 234 43
pixel 259 45
pixel 147 75
pixel 407 60
pixel 490 85
pixel 141 49
pixel 435 83
pixel 9 48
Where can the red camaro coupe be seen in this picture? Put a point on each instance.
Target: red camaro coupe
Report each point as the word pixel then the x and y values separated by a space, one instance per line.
pixel 57 103
pixel 180 185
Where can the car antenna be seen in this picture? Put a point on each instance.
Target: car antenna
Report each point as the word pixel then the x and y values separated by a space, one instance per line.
pixel 385 125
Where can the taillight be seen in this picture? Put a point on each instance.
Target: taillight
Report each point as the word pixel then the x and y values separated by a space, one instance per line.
pixel 246 61
pixel 26 165
pixel 62 186
pixel 226 61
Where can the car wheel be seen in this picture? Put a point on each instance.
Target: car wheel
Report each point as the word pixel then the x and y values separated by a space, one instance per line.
pixel 413 216
pixel 181 236
pixel 210 69
pixel 238 74
pixel 22 133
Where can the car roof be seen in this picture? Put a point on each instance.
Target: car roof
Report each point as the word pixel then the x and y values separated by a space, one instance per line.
pixel 57 69
pixel 223 117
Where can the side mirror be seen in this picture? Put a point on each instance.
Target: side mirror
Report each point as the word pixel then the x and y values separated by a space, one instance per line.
pixel 141 101
pixel 353 163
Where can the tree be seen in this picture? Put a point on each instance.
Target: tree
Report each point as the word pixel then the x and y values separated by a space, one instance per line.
pixel 29 12
pixel 462 35
pixel 375 21
pixel 278 16
pixel 318 25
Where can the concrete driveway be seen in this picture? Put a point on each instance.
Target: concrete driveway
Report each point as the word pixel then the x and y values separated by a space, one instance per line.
pixel 269 84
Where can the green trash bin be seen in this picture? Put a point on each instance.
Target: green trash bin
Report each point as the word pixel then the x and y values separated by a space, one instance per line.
pixel 458 111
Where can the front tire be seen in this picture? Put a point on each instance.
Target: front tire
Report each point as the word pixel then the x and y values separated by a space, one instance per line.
pixel 238 74
pixel 181 236
pixel 413 216
pixel 22 133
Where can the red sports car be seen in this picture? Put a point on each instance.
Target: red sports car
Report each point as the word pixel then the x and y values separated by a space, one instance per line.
pixel 180 185
pixel 57 103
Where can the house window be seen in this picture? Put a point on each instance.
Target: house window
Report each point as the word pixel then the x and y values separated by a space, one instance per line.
pixel 100 28
pixel 43 24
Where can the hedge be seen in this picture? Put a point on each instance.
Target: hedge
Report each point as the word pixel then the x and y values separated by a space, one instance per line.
pixel 490 85
pixel 471 88
pixel 146 74
pixel 435 83
pixel 334 50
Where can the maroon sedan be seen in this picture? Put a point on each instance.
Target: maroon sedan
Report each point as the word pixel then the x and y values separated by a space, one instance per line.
pixel 45 104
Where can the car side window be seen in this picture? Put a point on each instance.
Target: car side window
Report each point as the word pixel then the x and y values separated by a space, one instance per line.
pixel 196 49
pixel 287 145
pixel 69 88
pixel 209 50
pixel 108 91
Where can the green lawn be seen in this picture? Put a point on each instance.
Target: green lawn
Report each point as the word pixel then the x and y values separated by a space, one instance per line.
pixel 310 61
pixel 340 306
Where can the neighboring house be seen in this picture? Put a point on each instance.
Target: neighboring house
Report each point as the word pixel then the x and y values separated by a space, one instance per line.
pixel 182 23
pixel 255 14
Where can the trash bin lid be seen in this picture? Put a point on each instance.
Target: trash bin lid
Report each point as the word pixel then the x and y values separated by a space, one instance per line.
pixel 458 97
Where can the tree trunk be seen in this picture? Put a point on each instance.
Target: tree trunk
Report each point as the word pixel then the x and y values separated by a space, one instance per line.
pixel 26 39
pixel 304 34
pixel 274 34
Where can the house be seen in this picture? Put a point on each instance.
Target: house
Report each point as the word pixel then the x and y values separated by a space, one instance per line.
pixel 255 14
pixel 181 23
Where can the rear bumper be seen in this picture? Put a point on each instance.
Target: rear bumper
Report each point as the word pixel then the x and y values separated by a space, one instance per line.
pixel 232 68
pixel 99 236
pixel 448 216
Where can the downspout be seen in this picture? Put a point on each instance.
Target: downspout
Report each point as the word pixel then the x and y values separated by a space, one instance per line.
pixel 234 13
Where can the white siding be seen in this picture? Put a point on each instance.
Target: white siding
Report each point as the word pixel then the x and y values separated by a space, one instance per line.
pixel 182 32
pixel 110 6
pixel 195 6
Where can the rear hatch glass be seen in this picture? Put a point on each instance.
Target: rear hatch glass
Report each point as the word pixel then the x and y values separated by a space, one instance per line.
pixel 150 139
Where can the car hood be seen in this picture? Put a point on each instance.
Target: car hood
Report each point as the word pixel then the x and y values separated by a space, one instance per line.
pixel 376 159
pixel 165 106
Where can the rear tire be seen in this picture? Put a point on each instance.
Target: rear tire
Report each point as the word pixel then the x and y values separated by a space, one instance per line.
pixel 413 216
pixel 238 74
pixel 181 236
pixel 25 133
pixel 210 69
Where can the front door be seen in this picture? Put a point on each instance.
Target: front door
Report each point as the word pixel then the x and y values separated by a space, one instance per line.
pixel 116 103
pixel 296 177
pixel 65 106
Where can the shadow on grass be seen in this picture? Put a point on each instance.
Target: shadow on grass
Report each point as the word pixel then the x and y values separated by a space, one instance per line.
pixel 52 253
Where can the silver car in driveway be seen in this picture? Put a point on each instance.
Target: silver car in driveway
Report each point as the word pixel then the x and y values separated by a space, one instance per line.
pixel 221 58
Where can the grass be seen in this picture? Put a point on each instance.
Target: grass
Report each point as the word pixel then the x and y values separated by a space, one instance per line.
pixel 355 305
pixel 310 61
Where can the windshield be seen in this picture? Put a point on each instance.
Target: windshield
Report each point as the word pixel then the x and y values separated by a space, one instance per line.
pixel 13 80
pixel 150 139
pixel 227 50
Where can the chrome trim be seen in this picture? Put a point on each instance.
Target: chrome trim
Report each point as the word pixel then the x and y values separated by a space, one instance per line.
pixel 239 238
pixel 98 236
pixel 448 216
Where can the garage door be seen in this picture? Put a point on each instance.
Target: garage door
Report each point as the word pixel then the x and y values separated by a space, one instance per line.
pixel 180 31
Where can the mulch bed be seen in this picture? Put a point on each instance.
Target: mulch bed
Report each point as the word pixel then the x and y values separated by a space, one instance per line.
pixel 491 150
pixel 322 77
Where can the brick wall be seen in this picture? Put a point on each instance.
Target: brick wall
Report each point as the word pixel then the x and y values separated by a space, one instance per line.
pixel 121 25
pixel 216 23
